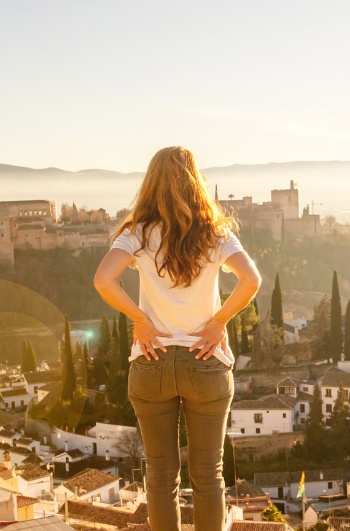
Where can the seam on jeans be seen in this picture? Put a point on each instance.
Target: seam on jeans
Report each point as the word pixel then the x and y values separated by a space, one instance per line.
pixel 174 378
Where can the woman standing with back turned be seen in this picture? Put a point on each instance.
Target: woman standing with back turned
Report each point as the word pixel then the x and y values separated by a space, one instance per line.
pixel 178 237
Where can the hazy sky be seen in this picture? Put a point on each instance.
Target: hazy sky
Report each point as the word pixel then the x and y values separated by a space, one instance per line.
pixel 106 83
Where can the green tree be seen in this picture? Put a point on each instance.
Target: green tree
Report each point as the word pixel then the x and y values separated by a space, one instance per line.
pixel 29 359
pixel 339 422
pixel 105 337
pixel 245 348
pixel 124 347
pixel 272 514
pixel 276 304
pixel 78 354
pixel 115 333
pixel 269 352
pixel 68 377
pixel 319 330
pixel 228 463
pixel 336 339
pixel 347 332
pixel 315 431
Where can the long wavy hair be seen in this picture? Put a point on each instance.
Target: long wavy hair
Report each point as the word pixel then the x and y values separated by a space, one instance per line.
pixel 174 195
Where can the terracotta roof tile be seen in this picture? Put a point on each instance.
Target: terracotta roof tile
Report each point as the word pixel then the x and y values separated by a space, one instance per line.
pixel 14 392
pixel 24 501
pixel 102 515
pixel 266 402
pixel 30 472
pixel 25 441
pixel 288 381
pixel 89 480
pixel 5 473
pixel 335 377
pixel 258 526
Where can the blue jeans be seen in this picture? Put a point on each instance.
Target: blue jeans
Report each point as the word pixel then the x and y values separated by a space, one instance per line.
pixel 205 388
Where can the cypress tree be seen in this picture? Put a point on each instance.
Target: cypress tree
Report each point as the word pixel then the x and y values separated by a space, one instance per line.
pixel 68 377
pixel 228 462
pixel 79 354
pixel 347 332
pixel 115 330
pixel 340 425
pixel 124 348
pixel 276 304
pixel 255 304
pixel 315 432
pixel 336 339
pixel 29 360
pixel 105 337
pixel 244 342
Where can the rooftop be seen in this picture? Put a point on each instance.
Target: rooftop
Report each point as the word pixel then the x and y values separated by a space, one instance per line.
pixel 266 402
pixel 24 501
pixel 276 479
pixel 30 472
pixel 14 392
pixel 334 378
pixel 89 480
pixel 51 523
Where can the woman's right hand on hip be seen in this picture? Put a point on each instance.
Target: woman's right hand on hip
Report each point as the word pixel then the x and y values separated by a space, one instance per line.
pixel 146 334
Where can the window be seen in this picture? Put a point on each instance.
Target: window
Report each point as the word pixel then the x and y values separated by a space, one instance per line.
pixel 328 408
pixel 242 430
pixel 258 417
pixel 302 408
pixel 284 415
pixel 305 389
pixel 329 392
pixel 330 484
pixel 257 430
pixel 302 420
pixel 22 402
pixel 289 390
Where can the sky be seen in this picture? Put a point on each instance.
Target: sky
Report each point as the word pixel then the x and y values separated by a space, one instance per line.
pixel 106 83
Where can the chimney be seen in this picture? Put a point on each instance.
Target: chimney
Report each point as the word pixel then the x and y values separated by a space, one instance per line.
pixel 107 455
pixel 66 445
pixel 45 439
pixel 321 475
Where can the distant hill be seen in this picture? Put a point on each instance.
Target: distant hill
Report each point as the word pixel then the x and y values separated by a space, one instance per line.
pixel 326 184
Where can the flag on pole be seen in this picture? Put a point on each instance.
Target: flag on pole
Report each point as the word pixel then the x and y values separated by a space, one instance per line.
pixel 301 490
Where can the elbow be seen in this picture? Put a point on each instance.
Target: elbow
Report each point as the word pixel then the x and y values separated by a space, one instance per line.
pixel 254 281
pixel 99 283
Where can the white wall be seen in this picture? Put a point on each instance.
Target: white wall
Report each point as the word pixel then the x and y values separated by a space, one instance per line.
pixel 103 435
pixel 273 421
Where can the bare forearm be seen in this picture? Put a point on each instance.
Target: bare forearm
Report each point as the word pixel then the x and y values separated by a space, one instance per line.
pixel 249 281
pixel 116 297
pixel 240 297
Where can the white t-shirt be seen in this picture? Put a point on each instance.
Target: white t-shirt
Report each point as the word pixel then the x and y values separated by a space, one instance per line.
pixel 178 311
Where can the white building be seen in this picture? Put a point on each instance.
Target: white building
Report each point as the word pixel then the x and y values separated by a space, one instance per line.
pixel 97 441
pixel 285 485
pixel 91 485
pixel 292 328
pixel 267 415
pixel 272 414
pixel 13 399
pixel 332 381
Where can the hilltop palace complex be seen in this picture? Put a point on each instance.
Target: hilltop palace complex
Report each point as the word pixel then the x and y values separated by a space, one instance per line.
pixel 33 223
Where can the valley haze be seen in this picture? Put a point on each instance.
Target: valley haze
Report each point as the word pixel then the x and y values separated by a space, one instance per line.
pixel 324 185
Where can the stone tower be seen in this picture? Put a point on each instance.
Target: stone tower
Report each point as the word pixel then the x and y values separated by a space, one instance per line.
pixel 288 200
pixel 6 244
